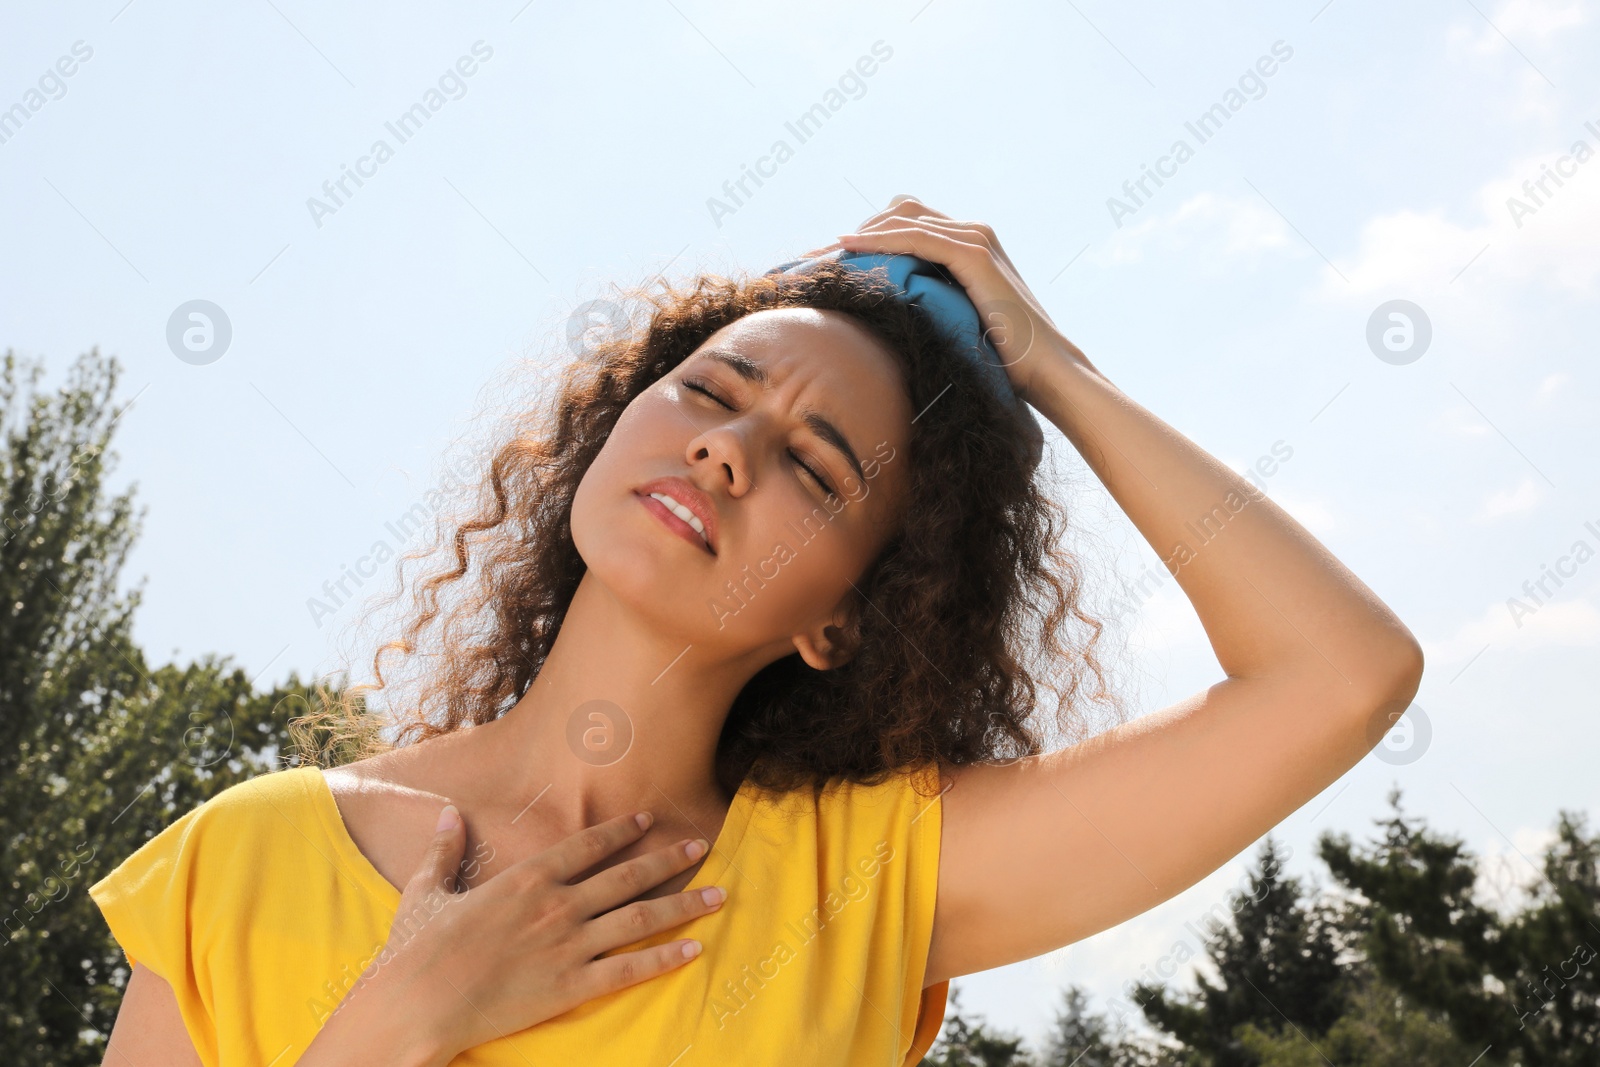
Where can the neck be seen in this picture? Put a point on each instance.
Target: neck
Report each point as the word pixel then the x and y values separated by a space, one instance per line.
pixel 624 716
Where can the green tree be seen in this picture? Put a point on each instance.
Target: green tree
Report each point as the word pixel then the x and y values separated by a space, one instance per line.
pixel 1380 1029
pixel 1277 962
pixel 1082 1037
pixel 99 750
pixel 967 1042
pixel 1556 986
pixel 1524 985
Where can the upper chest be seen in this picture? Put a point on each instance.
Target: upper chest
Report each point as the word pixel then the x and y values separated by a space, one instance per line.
pixel 393 827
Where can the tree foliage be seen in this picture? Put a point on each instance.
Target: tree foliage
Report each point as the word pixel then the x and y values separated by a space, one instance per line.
pixel 1406 966
pixel 99 749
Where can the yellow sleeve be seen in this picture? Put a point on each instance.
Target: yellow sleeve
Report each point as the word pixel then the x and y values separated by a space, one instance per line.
pixel 146 901
pixel 927 833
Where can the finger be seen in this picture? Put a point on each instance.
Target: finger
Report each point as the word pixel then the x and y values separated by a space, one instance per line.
pixel 961 231
pixel 643 918
pixel 573 855
pixel 439 864
pixel 976 233
pixel 932 245
pixel 972 233
pixel 974 266
pixel 630 968
pixel 901 226
pixel 907 206
pixel 931 222
pixel 622 882
pixel 903 207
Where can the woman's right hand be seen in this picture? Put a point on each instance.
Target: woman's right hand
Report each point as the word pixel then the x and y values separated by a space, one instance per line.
pixel 464 968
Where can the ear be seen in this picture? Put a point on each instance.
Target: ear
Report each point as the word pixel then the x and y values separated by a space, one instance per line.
pixel 833 641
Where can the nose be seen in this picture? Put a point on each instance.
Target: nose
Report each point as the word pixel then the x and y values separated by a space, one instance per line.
pixel 724 447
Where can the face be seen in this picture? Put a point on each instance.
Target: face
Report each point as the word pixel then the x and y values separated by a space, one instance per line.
pixel 785 436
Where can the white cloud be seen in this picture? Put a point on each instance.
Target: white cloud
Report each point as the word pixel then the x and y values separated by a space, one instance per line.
pixel 1504 869
pixel 1525 229
pixel 1523 22
pixel 1524 37
pixel 1460 421
pixel 1521 228
pixel 1523 498
pixel 1554 384
pixel 1228 228
pixel 1563 623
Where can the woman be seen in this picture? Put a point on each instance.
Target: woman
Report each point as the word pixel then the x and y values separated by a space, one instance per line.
pixel 848 725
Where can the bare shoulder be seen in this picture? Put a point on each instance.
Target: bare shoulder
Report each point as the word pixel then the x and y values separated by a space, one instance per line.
pixel 389 804
pixel 977 801
pixel 389 777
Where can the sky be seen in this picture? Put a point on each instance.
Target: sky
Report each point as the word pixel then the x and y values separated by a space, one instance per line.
pixel 1365 256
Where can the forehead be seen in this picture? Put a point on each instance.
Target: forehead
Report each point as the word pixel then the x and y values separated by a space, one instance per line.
pixel 828 347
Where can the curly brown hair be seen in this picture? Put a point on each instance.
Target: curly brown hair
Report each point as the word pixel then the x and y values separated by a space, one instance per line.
pixel 971 603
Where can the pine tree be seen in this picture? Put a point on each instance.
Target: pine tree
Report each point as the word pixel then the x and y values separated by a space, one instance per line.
pixel 1380 1029
pixel 967 1042
pixel 1085 1038
pixel 1080 1036
pixel 1524 986
pixel 1555 941
pixel 1277 963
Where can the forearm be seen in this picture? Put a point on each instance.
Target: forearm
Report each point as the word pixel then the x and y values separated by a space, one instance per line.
pixel 1273 600
pixel 376 1023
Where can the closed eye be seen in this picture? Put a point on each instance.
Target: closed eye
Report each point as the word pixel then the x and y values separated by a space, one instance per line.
pixel 699 387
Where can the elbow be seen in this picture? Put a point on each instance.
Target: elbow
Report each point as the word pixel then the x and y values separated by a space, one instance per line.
pixel 1394 676
pixel 1405 677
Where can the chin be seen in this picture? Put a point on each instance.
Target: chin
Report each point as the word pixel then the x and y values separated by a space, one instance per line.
pixel 643 567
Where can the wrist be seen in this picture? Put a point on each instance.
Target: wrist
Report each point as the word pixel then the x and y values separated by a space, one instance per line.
pixel 409 995
pixel 1064 353
pixel 391 1018
pixel 1061 373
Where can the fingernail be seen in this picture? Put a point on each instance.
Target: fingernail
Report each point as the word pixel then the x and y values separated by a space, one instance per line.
pixel 712 894
pixel 643 819
pixel 691 949
pixel 696 848
pixel 447 819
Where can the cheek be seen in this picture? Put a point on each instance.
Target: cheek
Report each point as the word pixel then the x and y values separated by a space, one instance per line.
pixel 583 521
pixel 792 572
pixel 602 488
pixel 639 438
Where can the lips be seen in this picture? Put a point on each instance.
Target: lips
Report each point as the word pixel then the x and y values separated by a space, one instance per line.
pixel 690 497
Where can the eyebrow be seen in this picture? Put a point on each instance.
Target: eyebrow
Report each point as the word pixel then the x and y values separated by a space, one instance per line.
pixel 751 371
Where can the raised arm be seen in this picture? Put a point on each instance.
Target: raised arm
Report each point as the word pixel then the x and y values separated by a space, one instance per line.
pixel 1047 850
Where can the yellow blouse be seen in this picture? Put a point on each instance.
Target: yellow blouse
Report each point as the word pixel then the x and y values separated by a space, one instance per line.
pixel 260 912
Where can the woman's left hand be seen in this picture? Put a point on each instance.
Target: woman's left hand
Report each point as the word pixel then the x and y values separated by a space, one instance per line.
pixel 1013 319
